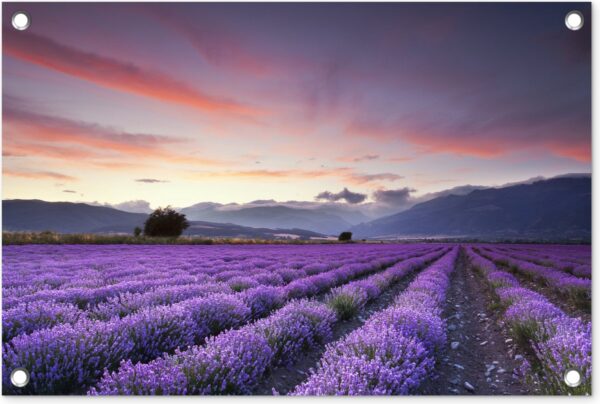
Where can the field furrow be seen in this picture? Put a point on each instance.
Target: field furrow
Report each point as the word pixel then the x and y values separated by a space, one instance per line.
pixel 552 341
pixel 394 351
pixel 478 357
pixel 283 380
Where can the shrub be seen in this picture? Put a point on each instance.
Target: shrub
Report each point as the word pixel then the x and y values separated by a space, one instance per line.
pixel 345 236
pixel 347 301
pixel 165 223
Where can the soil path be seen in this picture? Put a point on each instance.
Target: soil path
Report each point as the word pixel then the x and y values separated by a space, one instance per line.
pixel 479 357
pixel 283 380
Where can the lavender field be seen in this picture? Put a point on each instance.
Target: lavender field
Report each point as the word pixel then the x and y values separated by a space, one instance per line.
pixel 342 319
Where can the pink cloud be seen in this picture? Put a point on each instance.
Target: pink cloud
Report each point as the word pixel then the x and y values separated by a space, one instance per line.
pixel 38 175
pixel 113 73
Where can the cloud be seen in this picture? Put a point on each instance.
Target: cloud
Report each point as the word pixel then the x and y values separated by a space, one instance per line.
pixel 218 46
pixel 137 206
pixel 393 197
pixel 40 127
pixel 38 175
pixel 366 157
pixel 400 159
pixel 112 73
pixel 492 129
pixel 48 150
pixel 345 194
pixel 69 191
pixel 56 137
pixel 346 174
pixel 364 178
pixel 12 153
pixel 149 180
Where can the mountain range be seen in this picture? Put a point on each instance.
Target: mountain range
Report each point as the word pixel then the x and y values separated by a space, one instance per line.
pixel 556 208
pixel 323 219
pixel 67 217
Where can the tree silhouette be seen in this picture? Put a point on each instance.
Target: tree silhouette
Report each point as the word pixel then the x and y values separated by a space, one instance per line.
pixel 345 236
pixel 165 223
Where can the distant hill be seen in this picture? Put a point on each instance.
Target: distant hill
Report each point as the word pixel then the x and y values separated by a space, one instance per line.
pixel 67 217
pixel 322 220
pixel 554 209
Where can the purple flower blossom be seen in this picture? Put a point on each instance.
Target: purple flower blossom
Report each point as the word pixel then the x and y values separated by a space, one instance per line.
pixel 394 351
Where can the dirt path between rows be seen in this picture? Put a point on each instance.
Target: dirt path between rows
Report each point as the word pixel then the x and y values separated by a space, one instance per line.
pixel 283 380
pixel 480 355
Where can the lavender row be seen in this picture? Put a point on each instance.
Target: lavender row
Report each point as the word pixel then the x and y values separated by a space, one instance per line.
pixel 28 317
pixel 349 299
pixel 231 363
pixel 268 343
pixel 97 266
pixel 547 259
pixel 151 332
pixel 127 303
pixel 578 254
pixel 394 351
pixel 558 342
pixel 578 289
pixel 153 277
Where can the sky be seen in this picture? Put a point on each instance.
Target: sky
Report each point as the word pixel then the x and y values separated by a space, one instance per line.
pixel 184 103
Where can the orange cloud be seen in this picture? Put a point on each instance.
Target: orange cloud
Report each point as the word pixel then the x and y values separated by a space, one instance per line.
pixel 400 159
pixel 490 142
pixel 582 153
pixel 46 150
pixel 38 175
pixel 112 73
pixel 344 173
pixel 358 159
pixel 44 132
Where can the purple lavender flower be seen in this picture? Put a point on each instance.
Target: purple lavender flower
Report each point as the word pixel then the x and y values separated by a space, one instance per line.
pixel 28 317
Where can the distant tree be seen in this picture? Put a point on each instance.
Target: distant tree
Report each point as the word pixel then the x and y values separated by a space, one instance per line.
pixel 345 236
pixel 137 231
pixel 165 223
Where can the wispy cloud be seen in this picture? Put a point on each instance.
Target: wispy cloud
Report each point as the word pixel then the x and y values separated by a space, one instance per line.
pixel 345 195
pixel 112 73
pixel 366 157
pixel 346 174
pixel 38 175
pixel 56 137
pixel 150 180
pixel 486 133
pixel 215 44
pixel 364 178
pixel 69 191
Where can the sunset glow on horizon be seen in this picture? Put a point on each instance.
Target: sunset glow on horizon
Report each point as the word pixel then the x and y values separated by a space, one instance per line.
pixel 183 103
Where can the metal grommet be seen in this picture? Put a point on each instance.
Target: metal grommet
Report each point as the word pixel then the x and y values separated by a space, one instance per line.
pixel 572 378
pixel 19 377
pixel 21 20
pixel 574 20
